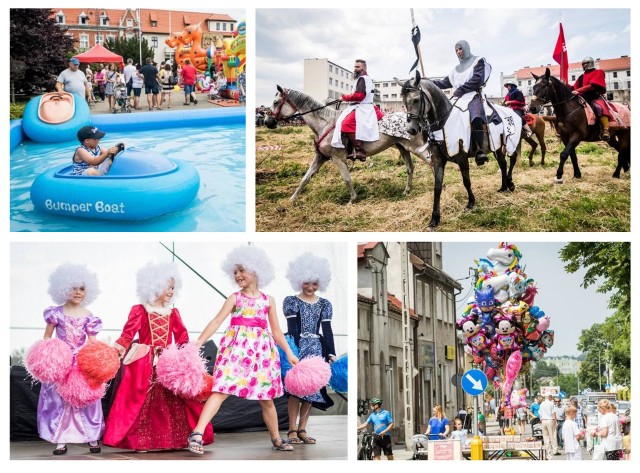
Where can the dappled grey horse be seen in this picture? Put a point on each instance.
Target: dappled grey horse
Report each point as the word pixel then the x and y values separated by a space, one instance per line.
pixel 428 108
pixel 322 120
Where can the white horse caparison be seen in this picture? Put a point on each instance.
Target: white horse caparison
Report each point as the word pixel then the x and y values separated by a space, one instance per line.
pixel 322 120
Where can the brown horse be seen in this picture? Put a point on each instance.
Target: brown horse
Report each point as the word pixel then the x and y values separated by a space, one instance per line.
pixel 572 126
pixel 538 127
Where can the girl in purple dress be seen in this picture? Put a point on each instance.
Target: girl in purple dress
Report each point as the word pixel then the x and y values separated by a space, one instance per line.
pixel 71 286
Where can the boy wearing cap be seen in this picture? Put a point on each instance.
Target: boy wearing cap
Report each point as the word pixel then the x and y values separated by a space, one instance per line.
pixel 73 80
pixel 89 159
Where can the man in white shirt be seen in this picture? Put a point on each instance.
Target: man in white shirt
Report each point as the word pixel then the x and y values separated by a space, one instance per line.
pixel 128 72
pixel 73 80
pixel 549 425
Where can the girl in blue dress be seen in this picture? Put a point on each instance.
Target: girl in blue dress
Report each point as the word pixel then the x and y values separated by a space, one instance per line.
pixel 309 324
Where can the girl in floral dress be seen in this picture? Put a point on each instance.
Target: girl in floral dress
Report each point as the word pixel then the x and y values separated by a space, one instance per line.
pixel 307 315
pixel 144 415
pixel 72 286
pixel 248 363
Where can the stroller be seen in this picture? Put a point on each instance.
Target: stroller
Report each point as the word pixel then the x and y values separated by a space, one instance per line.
pixel 123 101
pixel 536 428
pixel 419 444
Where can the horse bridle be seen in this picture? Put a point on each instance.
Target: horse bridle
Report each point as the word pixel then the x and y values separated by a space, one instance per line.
pixel 424 125
pixel 284 95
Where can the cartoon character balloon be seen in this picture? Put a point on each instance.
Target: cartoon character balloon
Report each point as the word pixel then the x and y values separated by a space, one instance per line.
pixel 504 331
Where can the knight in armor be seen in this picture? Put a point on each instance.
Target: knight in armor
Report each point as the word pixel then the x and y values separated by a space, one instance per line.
pixel 515 101
pixel 591 86
pixel 467 80
pixel 359 121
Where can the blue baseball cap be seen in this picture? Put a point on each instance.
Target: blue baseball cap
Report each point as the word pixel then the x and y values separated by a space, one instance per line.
pixel 75 61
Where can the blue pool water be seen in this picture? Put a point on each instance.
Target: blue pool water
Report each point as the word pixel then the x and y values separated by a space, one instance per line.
pixel 217 152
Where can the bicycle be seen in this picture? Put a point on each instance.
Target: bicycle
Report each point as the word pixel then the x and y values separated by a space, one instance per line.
pixel 365 448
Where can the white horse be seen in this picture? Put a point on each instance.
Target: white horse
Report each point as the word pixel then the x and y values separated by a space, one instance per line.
pixel 322 121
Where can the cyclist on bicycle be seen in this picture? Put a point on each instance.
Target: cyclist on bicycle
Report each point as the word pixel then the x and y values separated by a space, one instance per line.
pixel 382 425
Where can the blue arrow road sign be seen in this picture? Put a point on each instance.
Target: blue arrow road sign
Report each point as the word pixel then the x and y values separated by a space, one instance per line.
pixel 474 382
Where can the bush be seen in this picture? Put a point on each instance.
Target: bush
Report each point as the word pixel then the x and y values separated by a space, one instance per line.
pixel 16 110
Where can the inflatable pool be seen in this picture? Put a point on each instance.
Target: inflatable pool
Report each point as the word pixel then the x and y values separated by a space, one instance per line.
pixel 55 117
pixel 140 185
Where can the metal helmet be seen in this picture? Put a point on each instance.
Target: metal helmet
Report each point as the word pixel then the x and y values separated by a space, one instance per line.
pixel 375 400
pixel 588 63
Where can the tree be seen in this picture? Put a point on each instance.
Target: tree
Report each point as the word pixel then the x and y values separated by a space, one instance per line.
pixel 130 48
pixel 608 264
pixel 39 49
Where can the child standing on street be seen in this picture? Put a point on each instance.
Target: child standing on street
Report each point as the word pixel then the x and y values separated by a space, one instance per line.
pixel 308 315
pixel 572 435
pixel 248 363
pixel 72 286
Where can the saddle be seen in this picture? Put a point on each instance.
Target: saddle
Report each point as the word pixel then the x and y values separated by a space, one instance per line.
pixel 56 107
pixel 618 113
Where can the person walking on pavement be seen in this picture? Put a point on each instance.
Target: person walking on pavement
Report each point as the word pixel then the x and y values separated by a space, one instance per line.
pixel 559 410
pixel 549 425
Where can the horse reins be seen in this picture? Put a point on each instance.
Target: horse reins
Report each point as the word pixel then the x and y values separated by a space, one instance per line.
pixel 285 99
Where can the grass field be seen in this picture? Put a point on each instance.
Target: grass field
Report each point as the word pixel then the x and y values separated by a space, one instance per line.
pixel 595 203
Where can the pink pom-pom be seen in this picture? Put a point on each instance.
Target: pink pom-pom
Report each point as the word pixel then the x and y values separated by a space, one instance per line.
pixel 98 362
pixel 180 370
pixel 75 390
pixel 206 391
pixel 49 360
pixel 308 376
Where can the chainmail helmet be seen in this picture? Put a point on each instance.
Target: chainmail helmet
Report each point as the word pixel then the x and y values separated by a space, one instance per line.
pixel 588 63
pixel 467 59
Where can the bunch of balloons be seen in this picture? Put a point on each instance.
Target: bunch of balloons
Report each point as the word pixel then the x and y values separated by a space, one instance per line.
pixel 503 328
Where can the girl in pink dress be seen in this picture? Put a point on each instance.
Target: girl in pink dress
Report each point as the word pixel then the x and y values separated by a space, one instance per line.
pixel 72 286
pixel 248 363
pixel 144 415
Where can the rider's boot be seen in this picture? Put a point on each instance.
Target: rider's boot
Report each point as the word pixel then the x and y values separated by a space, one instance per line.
pixel 358 152
pixel 478 136
pixel 604 134
pixel 527 130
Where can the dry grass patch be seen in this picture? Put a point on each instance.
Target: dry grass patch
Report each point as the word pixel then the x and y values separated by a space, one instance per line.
pixel 597 202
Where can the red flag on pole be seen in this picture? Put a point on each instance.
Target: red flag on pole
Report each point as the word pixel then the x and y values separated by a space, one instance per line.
pixel 561 57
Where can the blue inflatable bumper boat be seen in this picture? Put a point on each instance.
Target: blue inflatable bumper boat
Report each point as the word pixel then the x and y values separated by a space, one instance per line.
pixel 140 185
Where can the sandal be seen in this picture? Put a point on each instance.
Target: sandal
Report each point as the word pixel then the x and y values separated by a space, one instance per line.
pixel 306 439
pixel 282 445
pixel 195 446
pixel 60 451
pixel 95 448
pixel 294 440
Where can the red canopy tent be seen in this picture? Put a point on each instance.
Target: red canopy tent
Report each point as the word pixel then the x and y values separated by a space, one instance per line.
pixel 100 54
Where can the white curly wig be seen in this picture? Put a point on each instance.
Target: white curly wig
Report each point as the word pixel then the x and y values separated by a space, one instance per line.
pixel 67 276
pixel 154 278
pixel 253 259
pixel 309 268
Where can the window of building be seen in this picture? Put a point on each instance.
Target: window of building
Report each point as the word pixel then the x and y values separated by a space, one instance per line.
pixel 224 27
pixel 385 96
pixel 628 84
pixel 330 81
pixel 616 86
pixel 111 37
pixel 154 42
pixel 385 84
pixel 394 96
pixel 104 20
pixel 129 23
pixel 154 24
pixel 330 68
pixel 342 84
pixel 573 77
pixel 615 74
pixel 99 38
pixel 60 18
pixel 628 73
pixel 529 82
pixel 84 41
pixel 377 86
pixel 83 19
pixel 341 72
